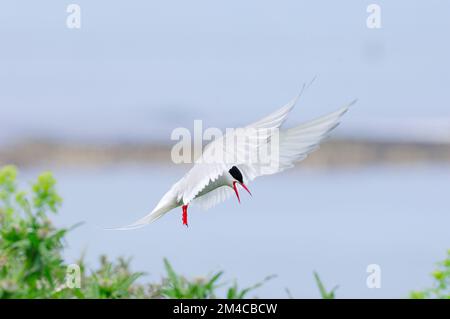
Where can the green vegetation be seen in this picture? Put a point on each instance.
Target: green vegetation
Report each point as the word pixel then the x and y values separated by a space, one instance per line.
pixel 176 286
pixel 323 292
pixel 31 263
pixel 441 285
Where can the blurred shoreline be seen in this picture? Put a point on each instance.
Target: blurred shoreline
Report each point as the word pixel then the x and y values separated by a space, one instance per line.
pixel 333 153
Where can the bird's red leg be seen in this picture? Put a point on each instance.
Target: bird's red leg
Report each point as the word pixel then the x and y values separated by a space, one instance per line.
pixel 185 218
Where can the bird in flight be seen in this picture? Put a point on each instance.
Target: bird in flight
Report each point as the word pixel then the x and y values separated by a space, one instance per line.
pixel 219 171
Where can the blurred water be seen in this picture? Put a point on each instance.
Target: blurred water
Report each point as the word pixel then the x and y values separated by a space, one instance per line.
pixel 136 71
pixel 335 222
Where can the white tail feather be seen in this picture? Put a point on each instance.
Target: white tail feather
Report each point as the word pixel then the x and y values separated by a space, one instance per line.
pixel 166 204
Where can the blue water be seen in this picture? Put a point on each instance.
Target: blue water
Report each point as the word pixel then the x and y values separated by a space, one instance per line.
pixel 334 221
pixel 137 71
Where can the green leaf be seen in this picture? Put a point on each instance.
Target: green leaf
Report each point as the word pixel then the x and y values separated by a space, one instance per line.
pixel 323 292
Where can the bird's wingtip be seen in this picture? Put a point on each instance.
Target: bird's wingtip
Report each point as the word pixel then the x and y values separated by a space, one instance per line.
pixel 353 102
pixel 345 108
pixel 303 89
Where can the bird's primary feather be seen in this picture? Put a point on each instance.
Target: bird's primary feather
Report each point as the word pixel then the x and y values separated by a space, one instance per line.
pixel 205 177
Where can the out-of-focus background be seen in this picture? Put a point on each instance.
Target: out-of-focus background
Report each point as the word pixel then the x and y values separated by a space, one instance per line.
pixel 97 105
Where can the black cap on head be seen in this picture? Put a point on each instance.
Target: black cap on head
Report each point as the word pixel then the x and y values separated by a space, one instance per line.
pixel 236 173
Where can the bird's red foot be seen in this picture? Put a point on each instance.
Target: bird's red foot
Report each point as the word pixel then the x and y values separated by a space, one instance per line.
pixel 185 218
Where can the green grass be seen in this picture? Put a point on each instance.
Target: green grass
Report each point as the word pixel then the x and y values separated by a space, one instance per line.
pixel 31 263
pixel 440 288
pixel 323 291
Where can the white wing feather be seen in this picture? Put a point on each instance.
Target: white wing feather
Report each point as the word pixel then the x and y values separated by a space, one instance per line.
pixel 211 164
pixel 297 142
pixel 213 198
pixel 198 177
pixel 294 145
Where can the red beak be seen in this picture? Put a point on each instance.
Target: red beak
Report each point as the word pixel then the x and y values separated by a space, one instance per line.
pixel 236 190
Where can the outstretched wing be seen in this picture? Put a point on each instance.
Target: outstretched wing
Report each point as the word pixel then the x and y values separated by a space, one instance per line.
pixel 217 158
pixel 296 143
pixel 213 198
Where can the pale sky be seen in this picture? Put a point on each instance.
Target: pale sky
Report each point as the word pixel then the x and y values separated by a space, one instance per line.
pixel 139 69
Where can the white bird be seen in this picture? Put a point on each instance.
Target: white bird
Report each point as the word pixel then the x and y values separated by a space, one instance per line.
pixel 213 178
